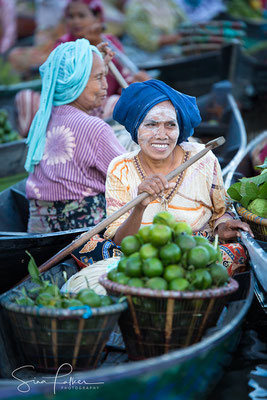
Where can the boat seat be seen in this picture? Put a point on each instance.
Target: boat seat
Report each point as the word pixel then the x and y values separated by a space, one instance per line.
pixel 22 206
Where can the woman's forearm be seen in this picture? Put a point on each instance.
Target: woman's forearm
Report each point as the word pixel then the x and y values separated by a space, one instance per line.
pixel 130 226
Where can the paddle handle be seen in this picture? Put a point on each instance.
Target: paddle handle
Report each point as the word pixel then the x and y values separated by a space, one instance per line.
pixel 106 222
pixel 120 79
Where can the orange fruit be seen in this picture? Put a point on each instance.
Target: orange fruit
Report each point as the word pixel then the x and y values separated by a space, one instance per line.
pixel 129 245
pixel 198 257
pixel 148 251
pixel 144 233
pixel 164 218
pixel 134 265
pixel 159 235
pixel 172 272
pixel 157 283
pixel 152 267
pixel 178 284
pixel 182 227
pixel 170 254
pixel 185 241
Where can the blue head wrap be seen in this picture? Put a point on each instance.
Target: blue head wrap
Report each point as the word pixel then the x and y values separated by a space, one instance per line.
pixel 64 77
pixel 139 98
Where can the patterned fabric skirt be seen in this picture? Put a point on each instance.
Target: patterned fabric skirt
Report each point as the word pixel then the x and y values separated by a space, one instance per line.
pixel 234 255
pixel 55 216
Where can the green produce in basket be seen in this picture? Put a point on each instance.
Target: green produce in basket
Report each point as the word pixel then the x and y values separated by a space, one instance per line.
pixel 169 258
pixel 159 235
pixel 219 274
pixel 185 242
pixel 172 272
pixel 182 227
pixel 157 283
pixel 258 207
pixel 47 294
pixel 135 282
pixel 130 245
pixel 198 257
pixel 252 192
pixel 152 267
pixel 164 218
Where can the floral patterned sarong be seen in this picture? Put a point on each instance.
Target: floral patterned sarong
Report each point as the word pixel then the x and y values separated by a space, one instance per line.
pixel 54 216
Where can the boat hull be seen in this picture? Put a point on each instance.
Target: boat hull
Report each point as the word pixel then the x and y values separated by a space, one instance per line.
pixel 184 374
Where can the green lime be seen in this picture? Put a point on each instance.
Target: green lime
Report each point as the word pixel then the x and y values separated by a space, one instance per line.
pixel 44 299
pixel 134 265
pixel 182 227
pixel 152 267
pixel 52 289
pixel 144 233
pixel 212 252
pixel 219 274
pixel 172 272
pixel 157 283
pixel 135 282
pixel 148 251
pixel 92 299
pixel 198 256
pixel 121 278
pixel 185 242
pixel 83 294
pixel 66 303
pixel 178 284
pixel 130 245
pixel 112 273
pixel 159 235
pixel 164 218
pixel 201 240
pixel 170 254
pixel 122 264
pixel 201 279
pixel 106 301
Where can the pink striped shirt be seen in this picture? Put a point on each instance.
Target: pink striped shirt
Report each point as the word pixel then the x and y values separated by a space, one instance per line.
pixel 78 150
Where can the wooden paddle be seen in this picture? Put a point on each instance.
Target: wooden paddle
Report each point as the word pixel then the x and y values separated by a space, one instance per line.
pixel 106 222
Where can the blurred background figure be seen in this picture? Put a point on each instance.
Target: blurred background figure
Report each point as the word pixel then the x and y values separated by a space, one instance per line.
pixel 153 24
pixel 198 11
pixel 85 19
pixel 44 18
pixel 8 25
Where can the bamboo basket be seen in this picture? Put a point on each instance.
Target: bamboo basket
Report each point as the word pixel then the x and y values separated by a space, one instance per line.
pixel 257 224
pixel 159 321
pixel 50 338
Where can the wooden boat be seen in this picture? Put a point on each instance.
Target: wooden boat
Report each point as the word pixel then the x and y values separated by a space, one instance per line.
pixel 196 73
pixel 257 248
pixel 186 374
pixel 14 207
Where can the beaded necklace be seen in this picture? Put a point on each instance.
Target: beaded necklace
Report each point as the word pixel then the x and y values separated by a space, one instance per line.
pixel 165 199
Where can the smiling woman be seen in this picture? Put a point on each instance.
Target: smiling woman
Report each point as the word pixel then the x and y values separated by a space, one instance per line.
pixel 69 150
pixel 161 120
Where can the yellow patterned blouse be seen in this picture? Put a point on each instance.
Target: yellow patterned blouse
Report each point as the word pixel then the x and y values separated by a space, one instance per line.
pixel 198 198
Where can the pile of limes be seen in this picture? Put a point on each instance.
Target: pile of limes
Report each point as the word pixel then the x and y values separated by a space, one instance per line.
pixel 166 256
pixel 7 134
pixel 49 295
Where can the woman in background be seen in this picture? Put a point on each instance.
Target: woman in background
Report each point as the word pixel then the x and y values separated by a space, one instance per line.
pixel 70 150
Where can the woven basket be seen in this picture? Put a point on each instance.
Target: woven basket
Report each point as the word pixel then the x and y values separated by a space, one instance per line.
pixel 158 321
pixel 47 338
pixel 257 224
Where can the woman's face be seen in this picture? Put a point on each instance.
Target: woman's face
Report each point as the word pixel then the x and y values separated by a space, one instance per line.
pixel 80 19
pixel 95 91
pixel 159 131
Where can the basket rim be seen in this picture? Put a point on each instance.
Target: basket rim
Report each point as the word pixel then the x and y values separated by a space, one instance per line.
pixel 231 287
pixel 7 304
pixel 242 211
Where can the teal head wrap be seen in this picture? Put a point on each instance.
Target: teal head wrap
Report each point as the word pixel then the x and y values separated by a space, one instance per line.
pixel 64 77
